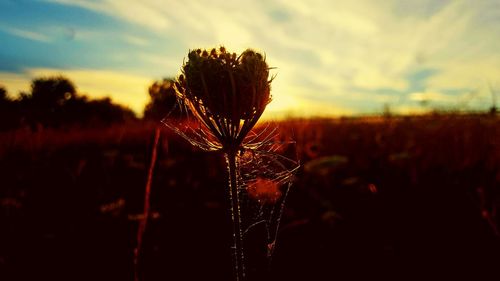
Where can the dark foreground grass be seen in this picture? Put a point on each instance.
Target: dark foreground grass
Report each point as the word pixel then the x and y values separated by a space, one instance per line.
pixel 400 199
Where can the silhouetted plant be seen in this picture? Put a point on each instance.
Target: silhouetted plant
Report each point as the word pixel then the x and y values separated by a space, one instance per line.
pixel 227 93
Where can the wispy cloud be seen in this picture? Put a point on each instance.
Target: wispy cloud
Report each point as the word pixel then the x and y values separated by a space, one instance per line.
pixel 26 34
pixel 90 4
pixel 138 41
pixel 144 13
pixel 347 55
pixel 431 97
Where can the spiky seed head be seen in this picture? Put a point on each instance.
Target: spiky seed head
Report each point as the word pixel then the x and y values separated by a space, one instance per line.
pixel 222 87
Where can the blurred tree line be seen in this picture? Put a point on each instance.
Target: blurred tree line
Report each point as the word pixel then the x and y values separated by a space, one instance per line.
pixel 163 101
pixel 54 102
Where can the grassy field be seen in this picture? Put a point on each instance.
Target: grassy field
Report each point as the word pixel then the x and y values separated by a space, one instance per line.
pixel 395 198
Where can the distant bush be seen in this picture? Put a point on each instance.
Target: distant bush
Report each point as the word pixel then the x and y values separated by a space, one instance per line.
pixel 163 101
pixel 7 110
pixel 54 102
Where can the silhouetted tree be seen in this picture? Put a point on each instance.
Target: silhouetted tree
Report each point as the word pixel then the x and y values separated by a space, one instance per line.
pixel 493 109
pixel 47 100
pixel 163 101
pixel 106 112
pixel 54 102
pixel 52 91
pixel 9 116
pixel 3 95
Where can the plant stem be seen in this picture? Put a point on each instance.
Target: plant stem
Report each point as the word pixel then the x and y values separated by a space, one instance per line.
pixel 238 255
pixel 147 193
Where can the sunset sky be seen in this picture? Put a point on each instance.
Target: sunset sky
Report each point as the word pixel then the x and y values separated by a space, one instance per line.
pixel 331 57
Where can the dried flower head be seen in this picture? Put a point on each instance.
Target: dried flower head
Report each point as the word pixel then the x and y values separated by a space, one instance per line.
pixel 226 92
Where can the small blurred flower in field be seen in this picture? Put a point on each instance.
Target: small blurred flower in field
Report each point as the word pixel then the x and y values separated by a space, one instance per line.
pixel 139 217
pixel 373 188
pixel 114 208
pixel 265 191
pixel 10 203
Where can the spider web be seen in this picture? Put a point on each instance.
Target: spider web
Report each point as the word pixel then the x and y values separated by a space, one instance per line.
pixel 265 177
